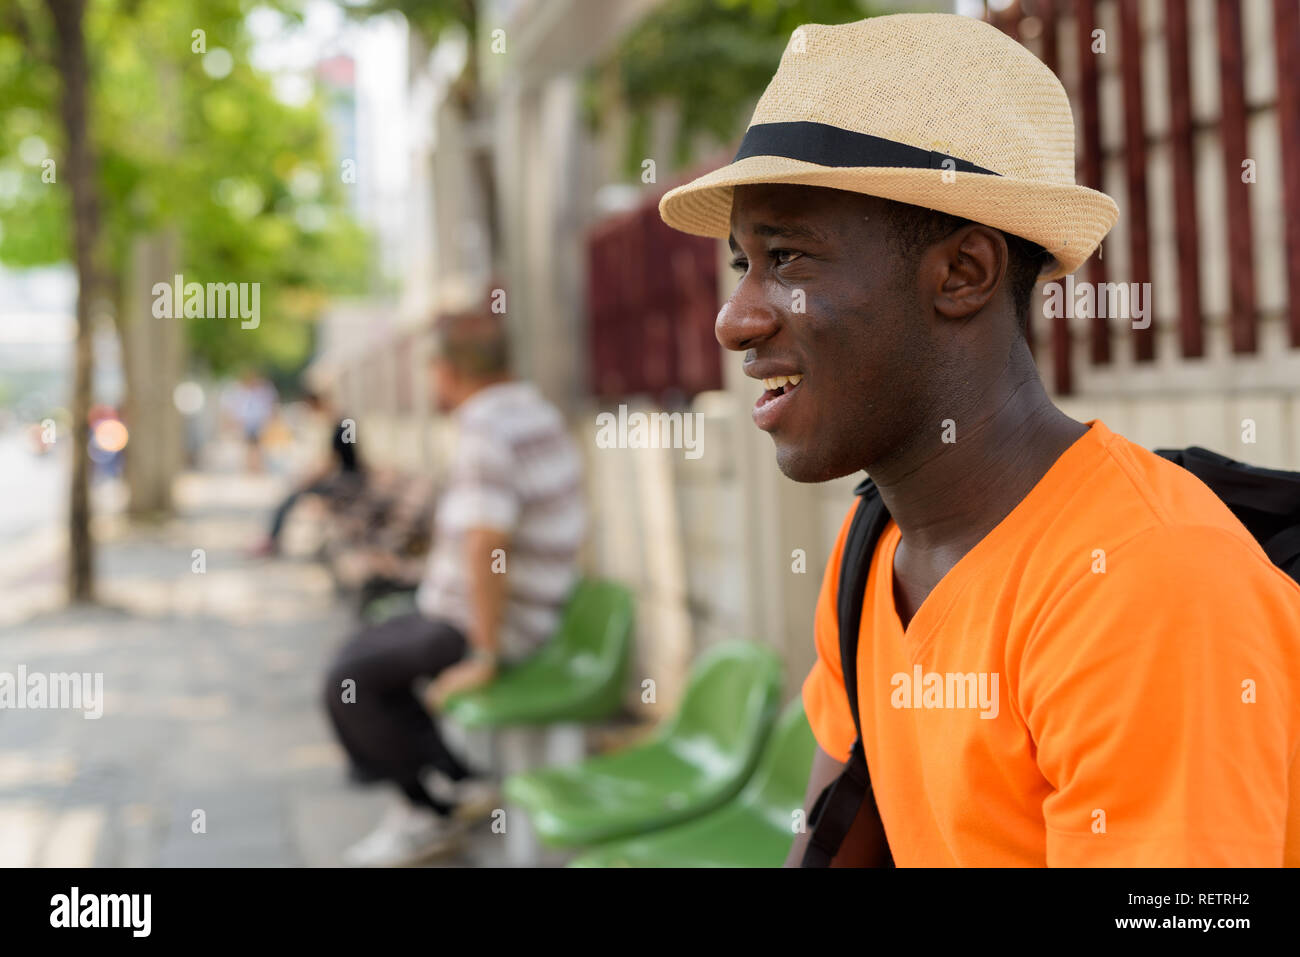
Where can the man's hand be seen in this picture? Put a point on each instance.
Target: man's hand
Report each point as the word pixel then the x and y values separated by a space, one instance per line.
pixel 462 676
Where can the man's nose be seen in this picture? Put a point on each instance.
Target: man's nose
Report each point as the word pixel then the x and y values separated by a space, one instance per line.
pixel 745 320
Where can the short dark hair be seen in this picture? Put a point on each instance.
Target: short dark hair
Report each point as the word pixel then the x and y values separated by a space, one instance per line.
pixel 914 229
pixel 473 343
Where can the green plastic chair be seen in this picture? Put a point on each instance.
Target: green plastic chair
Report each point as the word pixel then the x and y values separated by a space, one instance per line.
pixel 754 830
pixel 698 760
pixel 577 676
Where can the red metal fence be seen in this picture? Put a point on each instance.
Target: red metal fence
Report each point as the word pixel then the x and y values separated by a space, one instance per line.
pixel 652 297
pixel 1043 23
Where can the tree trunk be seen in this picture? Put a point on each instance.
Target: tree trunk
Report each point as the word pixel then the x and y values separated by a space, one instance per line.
pixel 80 173
pixel 153 359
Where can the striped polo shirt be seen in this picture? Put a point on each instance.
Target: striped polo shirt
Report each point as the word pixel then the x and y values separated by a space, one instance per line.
pixel 516 470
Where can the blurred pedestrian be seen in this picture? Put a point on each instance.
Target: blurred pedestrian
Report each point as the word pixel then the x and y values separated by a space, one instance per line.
pixel 334 474
pixel 513 496
pixel 251 403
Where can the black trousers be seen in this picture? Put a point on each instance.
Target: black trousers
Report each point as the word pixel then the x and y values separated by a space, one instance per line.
pixel 381 723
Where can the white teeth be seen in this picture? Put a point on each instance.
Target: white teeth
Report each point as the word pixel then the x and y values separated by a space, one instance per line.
pixel 778 382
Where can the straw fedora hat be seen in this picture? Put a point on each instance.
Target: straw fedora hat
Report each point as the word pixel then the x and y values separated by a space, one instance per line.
pixel 935 110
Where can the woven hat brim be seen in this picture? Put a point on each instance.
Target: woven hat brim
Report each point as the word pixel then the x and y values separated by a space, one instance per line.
pixel 1067 220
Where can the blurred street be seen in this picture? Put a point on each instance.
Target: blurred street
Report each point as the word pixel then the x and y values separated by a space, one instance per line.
pixel 211 700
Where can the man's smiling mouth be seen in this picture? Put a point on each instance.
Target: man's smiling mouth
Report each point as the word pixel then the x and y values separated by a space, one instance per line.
pixel 777 394
pixel 782 383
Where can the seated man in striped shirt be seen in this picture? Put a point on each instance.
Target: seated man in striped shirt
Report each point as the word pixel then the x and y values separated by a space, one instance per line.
pixel 507 531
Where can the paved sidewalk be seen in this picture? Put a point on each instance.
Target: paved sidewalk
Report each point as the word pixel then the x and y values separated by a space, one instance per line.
pixel 210 703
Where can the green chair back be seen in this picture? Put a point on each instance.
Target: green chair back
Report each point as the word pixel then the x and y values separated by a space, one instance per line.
pixel 730 701
pixel 754 829
pixel 781 778
pixel 578 675
pixel 597 624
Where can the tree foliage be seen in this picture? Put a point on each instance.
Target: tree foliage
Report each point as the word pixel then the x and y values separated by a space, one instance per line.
pixel 709 59
pixel 251 183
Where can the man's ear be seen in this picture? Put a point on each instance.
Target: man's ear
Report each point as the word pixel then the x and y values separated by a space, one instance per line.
pixel 965 269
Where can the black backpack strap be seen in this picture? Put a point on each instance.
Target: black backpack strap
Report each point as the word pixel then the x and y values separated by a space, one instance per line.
pixel 838 805
pixel 836 809
pixel 868 525
pixel 1240 485
pixel 1283 549
pixel 1266 501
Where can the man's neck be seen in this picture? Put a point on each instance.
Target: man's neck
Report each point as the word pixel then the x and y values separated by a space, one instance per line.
pixel 946 496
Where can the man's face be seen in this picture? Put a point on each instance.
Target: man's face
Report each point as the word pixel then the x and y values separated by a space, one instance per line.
pixel 822 296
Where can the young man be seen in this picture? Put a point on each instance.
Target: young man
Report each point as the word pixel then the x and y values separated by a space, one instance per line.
pixel 507 530
pixel 902 184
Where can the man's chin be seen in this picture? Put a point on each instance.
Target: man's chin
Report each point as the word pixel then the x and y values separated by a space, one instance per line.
pixel 801 465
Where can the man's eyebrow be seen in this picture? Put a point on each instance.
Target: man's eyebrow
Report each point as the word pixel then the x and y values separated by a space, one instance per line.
pixel 782 231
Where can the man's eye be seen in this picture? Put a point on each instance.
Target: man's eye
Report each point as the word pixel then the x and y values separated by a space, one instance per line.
pixel 781 257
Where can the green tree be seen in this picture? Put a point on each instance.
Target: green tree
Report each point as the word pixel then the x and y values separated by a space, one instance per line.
pixel 159 127
pixel 710 59
pixel 81 169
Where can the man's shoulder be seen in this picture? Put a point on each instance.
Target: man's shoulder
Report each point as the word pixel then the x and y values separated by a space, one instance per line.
pixel 1140 530
pixel 510 408
pixel 1136 499
pixel 1175 558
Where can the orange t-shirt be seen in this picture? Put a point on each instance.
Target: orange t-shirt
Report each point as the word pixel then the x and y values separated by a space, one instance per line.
pixel 1111 677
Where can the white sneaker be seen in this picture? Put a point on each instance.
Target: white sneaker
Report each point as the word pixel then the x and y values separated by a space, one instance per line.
pixel 472 799
pixel 407 835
